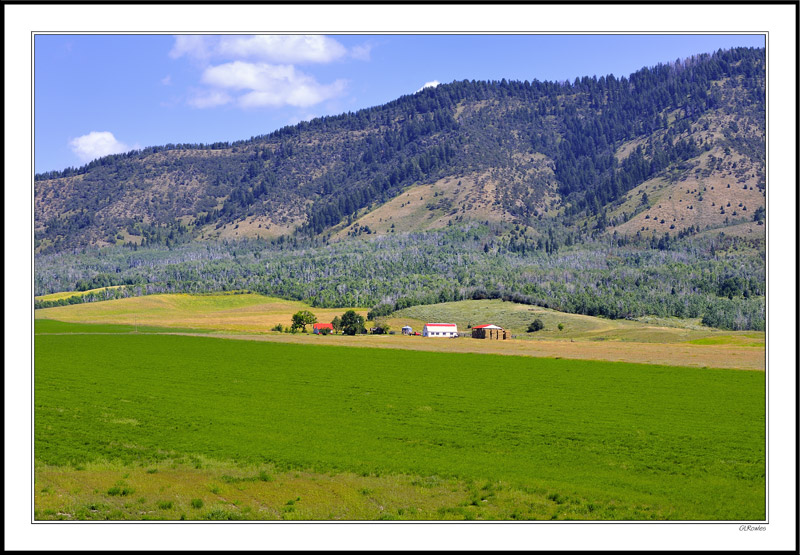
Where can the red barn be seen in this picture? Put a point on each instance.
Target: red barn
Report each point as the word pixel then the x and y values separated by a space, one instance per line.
pixel 319 327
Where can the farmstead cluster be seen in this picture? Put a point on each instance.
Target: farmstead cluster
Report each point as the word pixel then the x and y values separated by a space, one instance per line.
pixel 354 324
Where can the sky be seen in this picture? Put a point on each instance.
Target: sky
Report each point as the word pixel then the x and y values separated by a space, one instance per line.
pixel 102 94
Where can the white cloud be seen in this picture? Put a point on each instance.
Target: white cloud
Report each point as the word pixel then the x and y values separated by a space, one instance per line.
pixel 96 145
pixel 193 46
pixel 261 68
pixel 209 99
pixel 271 85
pixel 428 84
pixel 290 49
pixel 287 49
pixel 167 80
pixel 361 52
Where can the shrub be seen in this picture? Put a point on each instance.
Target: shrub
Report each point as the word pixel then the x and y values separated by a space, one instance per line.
pixel 120 490
pixel 536 325
pixel 221 514
pixel 197 503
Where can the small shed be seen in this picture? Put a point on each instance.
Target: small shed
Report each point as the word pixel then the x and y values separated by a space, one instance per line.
pixel 440 330
pixel 489 331
pixel 407 330
pixel 319 327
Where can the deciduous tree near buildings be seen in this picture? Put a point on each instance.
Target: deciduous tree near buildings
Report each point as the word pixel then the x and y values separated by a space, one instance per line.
pixel 303 318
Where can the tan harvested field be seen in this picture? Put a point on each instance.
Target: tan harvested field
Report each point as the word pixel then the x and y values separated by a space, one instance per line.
pixel 246 313
pixel 711 356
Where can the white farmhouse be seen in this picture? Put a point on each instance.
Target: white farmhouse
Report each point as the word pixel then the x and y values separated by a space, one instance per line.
pixel 440 330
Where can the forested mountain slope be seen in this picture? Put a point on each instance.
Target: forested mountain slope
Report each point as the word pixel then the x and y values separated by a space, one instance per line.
pixel 677 148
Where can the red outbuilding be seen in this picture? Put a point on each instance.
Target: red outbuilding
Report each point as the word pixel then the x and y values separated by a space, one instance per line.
pixel 319 327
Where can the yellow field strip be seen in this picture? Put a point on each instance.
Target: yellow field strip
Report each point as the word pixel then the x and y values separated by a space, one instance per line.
pixel 68 294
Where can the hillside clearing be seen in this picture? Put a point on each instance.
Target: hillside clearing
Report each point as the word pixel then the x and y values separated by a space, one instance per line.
pixel 68 294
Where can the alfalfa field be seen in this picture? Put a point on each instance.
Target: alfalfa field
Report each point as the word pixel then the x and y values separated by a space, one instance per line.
pixel 153 426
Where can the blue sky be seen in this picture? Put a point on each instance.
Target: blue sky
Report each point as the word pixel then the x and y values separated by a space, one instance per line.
pixel 100 94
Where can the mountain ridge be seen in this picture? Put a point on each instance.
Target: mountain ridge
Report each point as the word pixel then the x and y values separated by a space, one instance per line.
pixel 575 156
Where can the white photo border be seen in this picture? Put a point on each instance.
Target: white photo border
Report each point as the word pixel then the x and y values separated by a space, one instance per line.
pixel 776 21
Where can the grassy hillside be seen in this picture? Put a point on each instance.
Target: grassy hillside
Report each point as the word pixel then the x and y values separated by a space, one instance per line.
pixel 715 200
pixel 516 318
pixel 512 437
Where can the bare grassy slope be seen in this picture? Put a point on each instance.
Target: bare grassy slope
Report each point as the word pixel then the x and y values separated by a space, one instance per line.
pixel 476 196
pixel 722 187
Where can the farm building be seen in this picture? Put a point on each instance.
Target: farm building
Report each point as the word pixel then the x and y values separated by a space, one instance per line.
pixel 489 331
pixel 407 330
pixel 319 327
pixel 440 330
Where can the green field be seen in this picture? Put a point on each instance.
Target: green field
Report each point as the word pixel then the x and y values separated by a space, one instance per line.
pixel 42 326
pixel 244 426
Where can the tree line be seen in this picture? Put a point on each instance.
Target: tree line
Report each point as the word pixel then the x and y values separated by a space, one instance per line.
pixel 696 276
